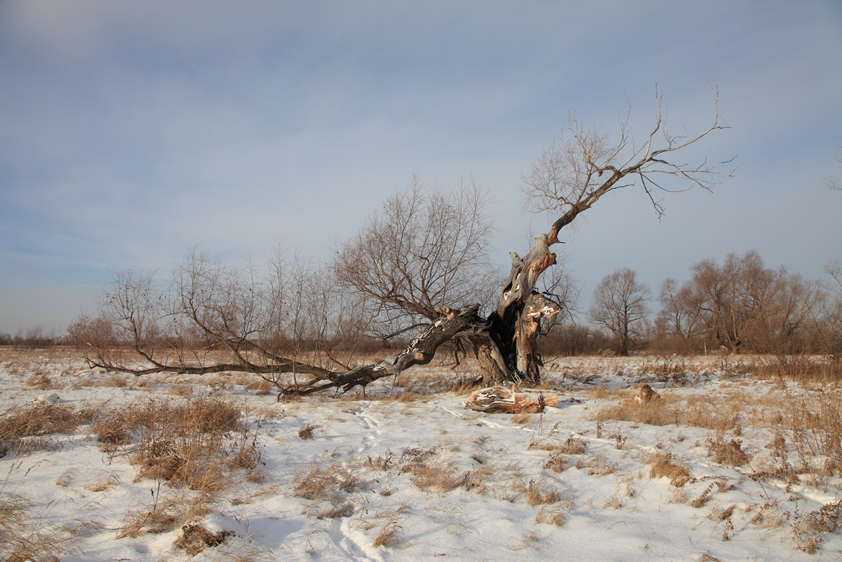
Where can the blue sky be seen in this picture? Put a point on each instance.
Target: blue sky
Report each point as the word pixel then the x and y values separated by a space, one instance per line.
pixel 132 131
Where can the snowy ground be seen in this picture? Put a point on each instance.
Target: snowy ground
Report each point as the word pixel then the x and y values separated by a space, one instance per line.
pixel 421 477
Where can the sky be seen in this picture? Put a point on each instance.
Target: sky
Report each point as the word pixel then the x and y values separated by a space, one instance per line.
pixel 131 132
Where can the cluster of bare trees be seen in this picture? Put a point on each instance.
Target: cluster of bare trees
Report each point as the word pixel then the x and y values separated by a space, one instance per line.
pixel 737 307
pixel 419 266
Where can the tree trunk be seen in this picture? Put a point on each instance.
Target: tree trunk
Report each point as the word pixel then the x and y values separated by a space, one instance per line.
pixel 514 325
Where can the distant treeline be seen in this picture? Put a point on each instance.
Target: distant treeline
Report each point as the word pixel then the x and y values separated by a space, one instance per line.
pixel 34 338
pixel 740 306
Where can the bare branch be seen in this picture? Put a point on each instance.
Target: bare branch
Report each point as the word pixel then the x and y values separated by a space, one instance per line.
pixel 566 179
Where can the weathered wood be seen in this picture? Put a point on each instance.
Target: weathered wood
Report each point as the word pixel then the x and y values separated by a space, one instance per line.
pixel 515 322
pixel 501 400
pixel 420 351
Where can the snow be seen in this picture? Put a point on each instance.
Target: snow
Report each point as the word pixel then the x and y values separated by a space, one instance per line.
pixel 611 508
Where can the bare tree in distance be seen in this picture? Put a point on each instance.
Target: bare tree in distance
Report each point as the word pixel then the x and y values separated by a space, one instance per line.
pixel 830 323
pixel 620 303
pixel 418 267
pixel 678 319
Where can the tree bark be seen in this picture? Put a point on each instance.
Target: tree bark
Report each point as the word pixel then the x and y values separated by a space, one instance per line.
pixel 419 351
pixel 514 324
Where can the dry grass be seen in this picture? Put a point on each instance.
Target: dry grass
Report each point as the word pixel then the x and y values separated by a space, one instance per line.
pixel 327 484
pixel 597 465
pixel 390 533
pixel 165 514
pixel 556 463
pixel 808 529
pixel 195 538
pixel 185 444
pixel 815 421
pixel 39 381
pixel 703 498
pixel 663 466
pixel 23 534
pixel 306 432
pixel 29 428
pixel 551 516
pixel 541 493
pixel 438 475
pixel 801 368
pixel 728 453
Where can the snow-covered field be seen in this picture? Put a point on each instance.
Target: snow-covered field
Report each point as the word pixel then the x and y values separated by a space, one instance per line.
pixel 724 466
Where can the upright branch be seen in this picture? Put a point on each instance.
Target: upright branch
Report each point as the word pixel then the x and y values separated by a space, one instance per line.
pixel 572 174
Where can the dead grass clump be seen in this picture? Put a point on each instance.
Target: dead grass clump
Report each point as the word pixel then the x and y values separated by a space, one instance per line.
pixel 527 541
pixel 116 380
pixel 39 381
pixel 24 430
pixel 438 475
pixel 260 387
pixel 556 463
pixel 327 483
pixel 181 389
pixel 104 484
pixel 336 511
pixel 730 454
pixel 597 465
pixel 478 478
pixel 522 419
pixel 165 514
pixel 662 466
pixel 800 368
pixel 720 485
pixel 541 493
pixel 551 516
pixel 185 444
pixel 247 454
pixel 390 533
pixel 719 413
pixel 808 529
pixel 306 432
pixel 573 446
pixel 195 538
pixel 665 411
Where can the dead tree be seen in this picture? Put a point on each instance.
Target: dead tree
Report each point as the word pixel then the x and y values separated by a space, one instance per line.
pixel 415 279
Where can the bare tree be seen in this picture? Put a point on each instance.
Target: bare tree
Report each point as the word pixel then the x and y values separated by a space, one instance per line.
pixel 620 303
pixel 678 319
pixel 425 249
pixel 742 305
pixel 418 266
pixel 829 319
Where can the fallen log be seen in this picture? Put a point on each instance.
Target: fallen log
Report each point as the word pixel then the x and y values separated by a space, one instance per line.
pixel 501 400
